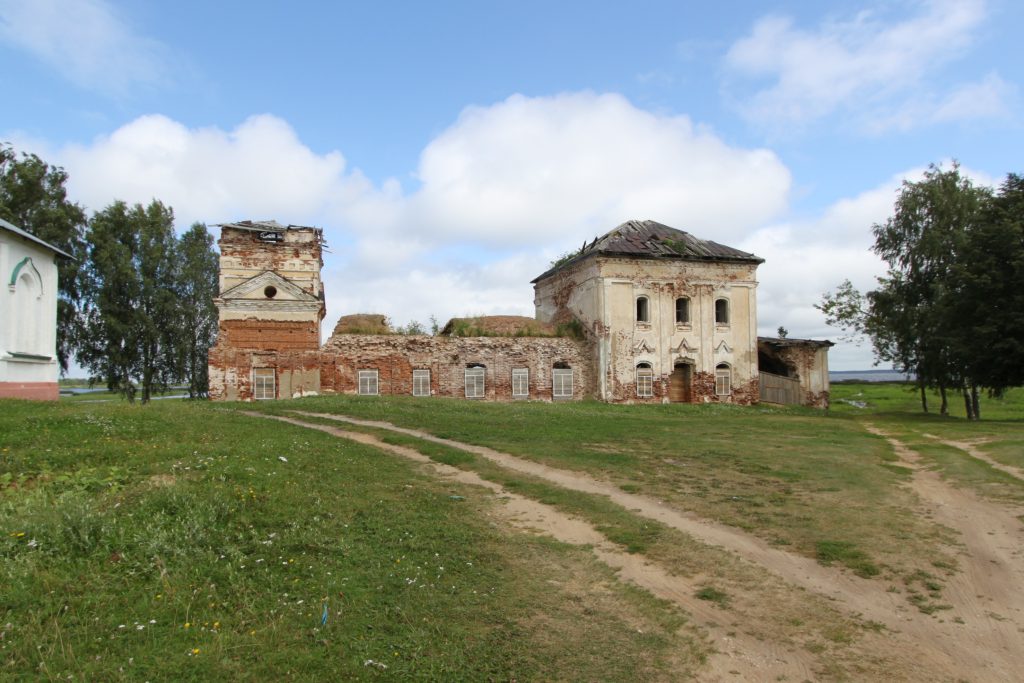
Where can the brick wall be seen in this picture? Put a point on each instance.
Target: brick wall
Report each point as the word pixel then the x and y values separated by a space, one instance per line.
pixel 269 335
pixel 396 356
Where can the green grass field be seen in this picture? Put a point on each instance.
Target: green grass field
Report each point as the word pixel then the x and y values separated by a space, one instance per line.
pixel 184 540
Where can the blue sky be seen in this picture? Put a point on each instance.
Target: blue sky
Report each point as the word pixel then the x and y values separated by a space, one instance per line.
pixel 451 150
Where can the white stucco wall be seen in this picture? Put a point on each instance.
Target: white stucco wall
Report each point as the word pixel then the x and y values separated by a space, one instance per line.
pixel 28 312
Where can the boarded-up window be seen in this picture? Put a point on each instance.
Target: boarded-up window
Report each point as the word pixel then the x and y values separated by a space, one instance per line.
pixel 520 383
pixel 475 382
pixel 644 380
pixel 263 384
pixel 723 380
pixel 421 382
pixel 682 310
pixel 561 383
pixel 368 385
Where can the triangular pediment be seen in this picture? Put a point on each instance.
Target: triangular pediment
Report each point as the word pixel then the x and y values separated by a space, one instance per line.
pixel 723 348
pixel 683 348
pixel 643 346
pixel 256 289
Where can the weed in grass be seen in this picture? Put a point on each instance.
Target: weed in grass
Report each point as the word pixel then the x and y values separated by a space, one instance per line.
pixel 714 595
pixel 848 555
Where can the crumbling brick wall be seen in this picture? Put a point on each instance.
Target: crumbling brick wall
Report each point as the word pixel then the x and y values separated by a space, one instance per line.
pixel 269 335
pixel 396 356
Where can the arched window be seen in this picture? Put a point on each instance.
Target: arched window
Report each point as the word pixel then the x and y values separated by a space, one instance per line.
pixel 475 380
pixel 561 381
pixel 644 380
pixel 29 315
pixel 682 310
pixel 721 311
pixel 643 310
pixel 723 379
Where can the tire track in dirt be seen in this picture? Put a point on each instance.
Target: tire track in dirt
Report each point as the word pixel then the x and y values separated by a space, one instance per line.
pixel 737 657
pixel 989 644
pixel 988 592
pixel 970 448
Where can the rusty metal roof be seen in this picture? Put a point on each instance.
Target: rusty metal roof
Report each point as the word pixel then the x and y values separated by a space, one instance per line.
pixel 650 239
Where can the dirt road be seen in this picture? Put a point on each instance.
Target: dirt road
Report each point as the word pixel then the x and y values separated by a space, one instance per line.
pixel 980 639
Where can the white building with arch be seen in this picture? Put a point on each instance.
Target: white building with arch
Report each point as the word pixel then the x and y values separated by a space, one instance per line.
pixel 28 315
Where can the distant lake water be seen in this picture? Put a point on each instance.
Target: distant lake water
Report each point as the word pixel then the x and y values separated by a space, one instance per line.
pixel 869 376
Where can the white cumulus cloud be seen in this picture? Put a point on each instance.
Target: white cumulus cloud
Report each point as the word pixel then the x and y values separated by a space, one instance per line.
pixel 880 72
pixel 529 170
pixel 260 169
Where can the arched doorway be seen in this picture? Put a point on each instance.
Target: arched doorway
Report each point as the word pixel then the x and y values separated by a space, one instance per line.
pixel 680 383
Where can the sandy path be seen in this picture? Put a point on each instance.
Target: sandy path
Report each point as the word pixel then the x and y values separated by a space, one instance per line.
pixel 988 592
pixel 986 595
pixel 738 657
pixel 970 447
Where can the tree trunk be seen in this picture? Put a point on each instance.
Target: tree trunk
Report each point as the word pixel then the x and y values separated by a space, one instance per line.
pixel 924 396
pixel 968 408
pixel 974 402
pixel 944 408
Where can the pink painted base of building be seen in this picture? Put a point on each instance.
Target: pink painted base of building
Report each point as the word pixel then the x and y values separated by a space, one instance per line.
pixel 33 391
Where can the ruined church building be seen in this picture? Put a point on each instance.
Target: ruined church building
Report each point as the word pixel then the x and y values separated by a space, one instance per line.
pixel 643 314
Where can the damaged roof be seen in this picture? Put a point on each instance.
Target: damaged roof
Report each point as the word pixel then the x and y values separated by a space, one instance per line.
pixel 265 226
pixel 650 239
pixel 784 342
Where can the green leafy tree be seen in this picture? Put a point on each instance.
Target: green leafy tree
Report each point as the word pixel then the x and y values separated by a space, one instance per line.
pixel 196 288
pixel 910 316
pixel 987 304
pixel 159 313
pixel 33 197
pixel 922 243
pixel 132 317
pixel 113 291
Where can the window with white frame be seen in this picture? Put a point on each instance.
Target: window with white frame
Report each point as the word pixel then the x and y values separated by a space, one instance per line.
pixel 368 384
pixel 723 380
pixel 421 382
pixel 475 381
pixel 520 383
pixel 263 384
pixel 644 380
pixel 561 383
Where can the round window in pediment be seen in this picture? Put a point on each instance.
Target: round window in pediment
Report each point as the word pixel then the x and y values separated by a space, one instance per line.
pixel 270 291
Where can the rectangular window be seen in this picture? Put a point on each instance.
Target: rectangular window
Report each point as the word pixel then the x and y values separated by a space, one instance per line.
pixel 561 383
pixel 263 384
pixel 723 382
pixel 644 383
pixel 520 383
pixel 474 382
pixel 682 310
pixel 421 382
pixel 368 382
